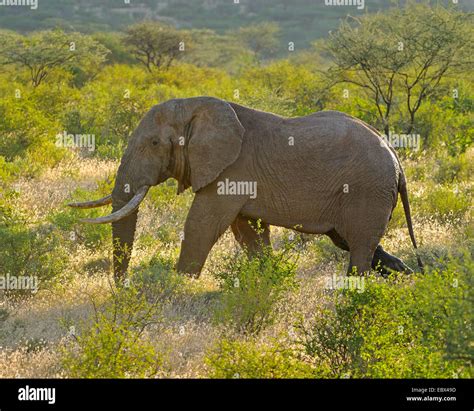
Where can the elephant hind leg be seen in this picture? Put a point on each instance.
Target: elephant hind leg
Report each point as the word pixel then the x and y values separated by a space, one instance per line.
pixel 250 234
pixel 362 245
pixel 361 258
pixel 383 262
pixel 338 240
pixel 341 243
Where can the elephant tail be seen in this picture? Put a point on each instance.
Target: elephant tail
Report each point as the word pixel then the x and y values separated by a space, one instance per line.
pixel 402 189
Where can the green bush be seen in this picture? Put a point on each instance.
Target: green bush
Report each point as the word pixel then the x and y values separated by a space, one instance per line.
pixel 282 87
pixel 115 345
pixel 454 169
pixel 251 287
pixel 402 327
pixel 31 118
pixel 158 278
pixel 8 171
pixel 245 359
pixel 27 136
pixel 93 236
pixel 28 249
pixel 446 203
pixel 445 122
pixel 111 107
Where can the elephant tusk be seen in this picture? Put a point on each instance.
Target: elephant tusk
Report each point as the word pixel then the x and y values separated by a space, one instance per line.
pixel 92 204
pixel 125 211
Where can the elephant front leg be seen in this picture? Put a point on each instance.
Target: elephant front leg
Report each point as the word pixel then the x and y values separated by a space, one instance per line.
pixel 209 217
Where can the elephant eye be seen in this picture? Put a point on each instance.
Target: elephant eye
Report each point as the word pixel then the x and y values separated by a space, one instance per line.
pixel 154 142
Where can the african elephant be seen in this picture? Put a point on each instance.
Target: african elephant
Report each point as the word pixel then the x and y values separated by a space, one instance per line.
pixel 325 173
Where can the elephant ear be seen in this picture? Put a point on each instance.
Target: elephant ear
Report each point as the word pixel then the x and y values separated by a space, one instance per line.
pixel 215 140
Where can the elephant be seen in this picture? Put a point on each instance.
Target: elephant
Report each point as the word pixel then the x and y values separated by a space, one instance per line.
pixel 324 173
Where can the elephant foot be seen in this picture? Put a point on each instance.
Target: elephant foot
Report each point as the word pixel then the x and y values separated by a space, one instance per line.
pixel 385 263
pixel 192 270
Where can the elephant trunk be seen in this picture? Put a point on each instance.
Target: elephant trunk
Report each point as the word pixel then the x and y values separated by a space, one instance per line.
pixel 123 233
pixel 123 229
pixel 124 222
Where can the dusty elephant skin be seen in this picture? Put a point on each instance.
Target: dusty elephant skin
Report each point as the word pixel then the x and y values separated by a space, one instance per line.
pixel 326 173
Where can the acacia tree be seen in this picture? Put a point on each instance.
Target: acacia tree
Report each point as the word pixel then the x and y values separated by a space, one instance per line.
pixel 439 45
pixel 402 54
pixel 261 38
pixel 43 51
pixel 155 45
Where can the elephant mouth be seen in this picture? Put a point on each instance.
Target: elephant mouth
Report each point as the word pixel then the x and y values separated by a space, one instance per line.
pixel 125 211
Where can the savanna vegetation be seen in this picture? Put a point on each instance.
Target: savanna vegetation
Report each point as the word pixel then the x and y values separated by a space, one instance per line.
pixel 68 102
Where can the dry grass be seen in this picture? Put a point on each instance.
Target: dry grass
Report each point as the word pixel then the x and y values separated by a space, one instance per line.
pixel 40 196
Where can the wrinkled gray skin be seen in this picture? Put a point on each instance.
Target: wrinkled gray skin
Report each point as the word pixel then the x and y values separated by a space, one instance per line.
pixel 338 178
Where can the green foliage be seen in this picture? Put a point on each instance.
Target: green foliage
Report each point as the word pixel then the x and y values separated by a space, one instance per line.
pixel 28 248
pixel 282 88
pixel 93 236
pixel 445 122
pixel 115 345
pixel 112 106
pixel 188 81
pixel 8 171
pixel 72 231
pixel 251 287
pixel 246 359
pixel 446 195
pixel 378 55
pixel 447 203
pixel 397 328
pixel 44 51
pixel 27 136
pixel 113 41
pixel 155 45
pixel 261 38
pixel 223 51
pixel 158 278
pixel 454 169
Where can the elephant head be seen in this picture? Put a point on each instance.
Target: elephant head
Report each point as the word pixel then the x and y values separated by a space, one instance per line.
pixel 192 140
